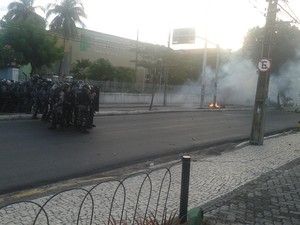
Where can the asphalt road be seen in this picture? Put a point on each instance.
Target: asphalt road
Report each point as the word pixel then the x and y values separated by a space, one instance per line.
pixel 32 155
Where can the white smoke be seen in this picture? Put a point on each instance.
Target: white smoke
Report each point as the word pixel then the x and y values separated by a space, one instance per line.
pixel 288 82
pixel 237 82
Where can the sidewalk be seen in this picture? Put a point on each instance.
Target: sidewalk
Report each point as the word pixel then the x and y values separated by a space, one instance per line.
pixel 273 198
pixel 262 184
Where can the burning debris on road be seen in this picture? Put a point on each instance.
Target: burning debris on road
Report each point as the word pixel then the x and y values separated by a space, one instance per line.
pixel 214 106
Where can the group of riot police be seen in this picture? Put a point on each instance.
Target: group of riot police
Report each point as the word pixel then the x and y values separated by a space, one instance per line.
pixel 62 104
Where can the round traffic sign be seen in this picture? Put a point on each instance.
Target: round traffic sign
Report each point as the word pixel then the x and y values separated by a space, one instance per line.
pixel 264 65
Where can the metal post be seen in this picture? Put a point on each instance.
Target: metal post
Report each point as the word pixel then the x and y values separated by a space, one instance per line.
pixel 184 195
pixel 258 122
pixel 165 84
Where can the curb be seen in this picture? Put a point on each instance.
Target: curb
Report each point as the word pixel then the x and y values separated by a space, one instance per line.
pixel 123 112
pixel 246 143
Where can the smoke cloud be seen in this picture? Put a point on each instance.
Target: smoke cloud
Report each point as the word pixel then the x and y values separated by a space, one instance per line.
pixel 237 82
pixel 286 82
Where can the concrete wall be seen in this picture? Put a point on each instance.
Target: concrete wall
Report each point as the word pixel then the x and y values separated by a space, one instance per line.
pixel 10 74
pixel 94 45
pixel 128 98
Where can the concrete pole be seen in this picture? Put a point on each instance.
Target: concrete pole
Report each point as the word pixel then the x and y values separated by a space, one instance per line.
pixel 166 77
pixel 217 76
pixel 136 54
pixel 258 122
pixel 203 74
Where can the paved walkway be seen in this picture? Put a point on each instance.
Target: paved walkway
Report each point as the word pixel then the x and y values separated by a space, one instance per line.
pixel 273 198
pixel 263 184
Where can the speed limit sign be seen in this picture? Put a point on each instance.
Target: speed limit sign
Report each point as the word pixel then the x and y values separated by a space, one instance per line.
pixel 264 65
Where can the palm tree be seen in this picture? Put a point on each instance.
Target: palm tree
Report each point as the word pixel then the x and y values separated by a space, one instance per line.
pixel 81 69
pixel 66 15
pixel 23 10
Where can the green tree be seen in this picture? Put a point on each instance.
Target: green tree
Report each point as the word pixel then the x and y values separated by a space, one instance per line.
pixel 124 74
pixel 81 69
pixel 23 10
pixel 154 59
pixel 284 45
pixel 183 68
pixel 8 56
pixel 66 15
pixel 32 43
pixel 102 70
pixel 186 65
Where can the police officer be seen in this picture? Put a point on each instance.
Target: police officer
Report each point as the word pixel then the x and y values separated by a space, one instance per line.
pixel 68 106
pixel 57 100
pixel 93 106
pixel 82 104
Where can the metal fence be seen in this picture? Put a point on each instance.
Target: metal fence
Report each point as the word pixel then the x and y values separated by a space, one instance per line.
pixel 122 87
pixel 132 200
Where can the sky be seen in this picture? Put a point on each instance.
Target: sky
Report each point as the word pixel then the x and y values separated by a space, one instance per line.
pixel 223 22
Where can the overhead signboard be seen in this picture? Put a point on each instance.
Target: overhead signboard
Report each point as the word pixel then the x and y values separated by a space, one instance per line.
pixel 184 36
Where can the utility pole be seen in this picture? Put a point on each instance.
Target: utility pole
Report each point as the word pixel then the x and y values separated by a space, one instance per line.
pixel 258 122
pixel 203 74
pixel 136 53
pixel 166 72
pixel 217 76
